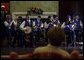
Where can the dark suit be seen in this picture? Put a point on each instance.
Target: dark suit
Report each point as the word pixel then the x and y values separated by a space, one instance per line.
pixel 37 32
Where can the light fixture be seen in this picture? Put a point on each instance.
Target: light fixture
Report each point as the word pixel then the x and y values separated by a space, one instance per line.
pixel 3 6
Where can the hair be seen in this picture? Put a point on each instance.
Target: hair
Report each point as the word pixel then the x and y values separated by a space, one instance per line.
pixel 49 17
pixel 27 15
pixel 19 16
pixel 9 16
pixel 56 36
pixel 75 54
pixel 14 55
pixel 39 16
pixel 54 16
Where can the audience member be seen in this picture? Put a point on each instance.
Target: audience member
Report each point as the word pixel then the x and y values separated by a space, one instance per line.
pixel 14 55
pixel 56 36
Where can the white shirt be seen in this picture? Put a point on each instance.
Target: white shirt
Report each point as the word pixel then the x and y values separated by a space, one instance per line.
pixel 8 24
pixel 33 23
pixel 15 22
pixel 81 24
pixel 23 24
pixel 58 22
pixel 45 25
pixel 63 25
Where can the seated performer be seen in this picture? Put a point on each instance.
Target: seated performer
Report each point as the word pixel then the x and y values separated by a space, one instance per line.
pixel 52 50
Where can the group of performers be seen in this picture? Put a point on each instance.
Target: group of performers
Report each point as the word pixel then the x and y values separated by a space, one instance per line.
pixel 32 33
pixel 73 28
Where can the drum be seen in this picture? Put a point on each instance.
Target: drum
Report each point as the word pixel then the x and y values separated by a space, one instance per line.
pixel 27 30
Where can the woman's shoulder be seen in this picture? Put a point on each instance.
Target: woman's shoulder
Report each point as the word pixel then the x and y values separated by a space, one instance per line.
pixel 41 49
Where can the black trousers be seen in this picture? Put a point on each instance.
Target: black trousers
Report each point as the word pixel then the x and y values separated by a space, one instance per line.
pixel 69 36
pixel 78 33
pixel 28 40
pixel 18 39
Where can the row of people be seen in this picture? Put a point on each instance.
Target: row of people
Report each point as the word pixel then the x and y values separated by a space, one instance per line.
pixel 73 28
pixel 15 29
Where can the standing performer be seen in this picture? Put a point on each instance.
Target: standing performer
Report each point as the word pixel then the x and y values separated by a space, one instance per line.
pixel 2 27
pixel 48 19
pixel 14 32
pixel 37 30
pixel 69 30
pixel 46 23
pixel 78 27
pixel 26 28
pixel 8 24
pixel 19 37
pixel 54 21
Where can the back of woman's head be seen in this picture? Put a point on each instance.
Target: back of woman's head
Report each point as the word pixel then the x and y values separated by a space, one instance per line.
pixel 75 54
pixel 56 36
pixel 13 55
